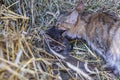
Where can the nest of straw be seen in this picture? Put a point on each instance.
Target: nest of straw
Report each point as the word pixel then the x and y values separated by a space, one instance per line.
pixel 22 51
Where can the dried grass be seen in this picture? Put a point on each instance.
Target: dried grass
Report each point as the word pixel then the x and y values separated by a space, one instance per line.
pixel 22 51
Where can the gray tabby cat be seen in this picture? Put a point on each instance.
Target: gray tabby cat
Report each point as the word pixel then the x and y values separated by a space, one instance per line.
pixel 101 30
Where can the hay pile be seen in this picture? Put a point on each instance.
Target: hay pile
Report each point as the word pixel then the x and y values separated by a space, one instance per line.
pixel 22 51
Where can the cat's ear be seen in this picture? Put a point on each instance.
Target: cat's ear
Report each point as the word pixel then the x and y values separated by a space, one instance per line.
pixel 80 7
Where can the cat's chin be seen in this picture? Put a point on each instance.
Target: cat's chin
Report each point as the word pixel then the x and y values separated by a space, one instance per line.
pixel 70 35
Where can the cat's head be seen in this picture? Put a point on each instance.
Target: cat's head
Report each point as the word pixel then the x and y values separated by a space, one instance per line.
pixel 71 23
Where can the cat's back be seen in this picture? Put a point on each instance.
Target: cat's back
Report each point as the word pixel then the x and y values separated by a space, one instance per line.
pixel 102 24
pixel 103 32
